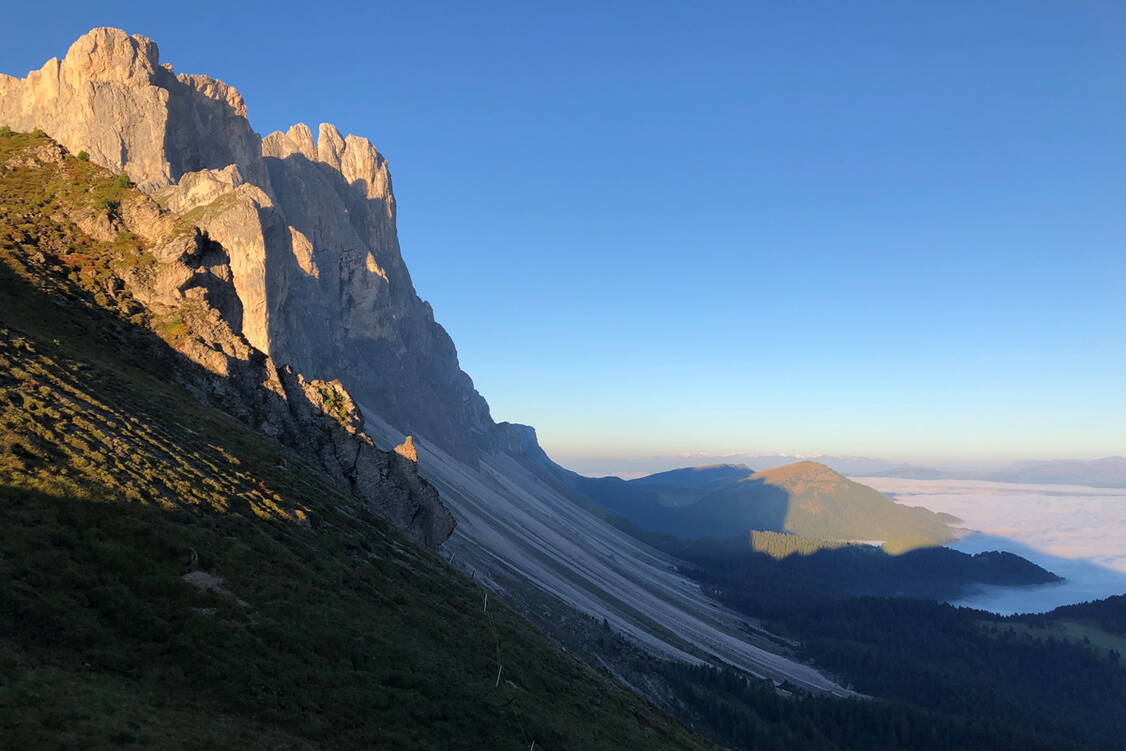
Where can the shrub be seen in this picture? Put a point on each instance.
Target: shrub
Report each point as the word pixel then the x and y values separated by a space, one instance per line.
pixel 5 131
pixel 84 156
pixel 37 133
pixel 111 207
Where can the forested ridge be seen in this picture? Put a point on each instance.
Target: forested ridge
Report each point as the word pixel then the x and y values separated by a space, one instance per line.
pixel 769 573
pixel 939 676
pixel 967 663
pixel 1110 613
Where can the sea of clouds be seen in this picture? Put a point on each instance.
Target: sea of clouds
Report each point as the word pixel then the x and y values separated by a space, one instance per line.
pixel 1074 531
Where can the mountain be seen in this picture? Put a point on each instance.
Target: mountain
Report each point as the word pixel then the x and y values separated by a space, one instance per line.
pixel 310 281
pixel 723 501
pixel 203 548
pixel 696 477
pixel 631 467
pixel 846 465
pixel 321 286
pixel 682 487
pixel 912 472
pixel 309 225
pixel 822 503
pixel 1109 472
pixel 1108 615
pixel 233 448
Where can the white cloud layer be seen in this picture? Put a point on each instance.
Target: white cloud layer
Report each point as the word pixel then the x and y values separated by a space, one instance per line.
pixel 1074 531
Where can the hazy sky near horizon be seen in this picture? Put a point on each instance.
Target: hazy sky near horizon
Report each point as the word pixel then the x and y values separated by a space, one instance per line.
pixel 878 228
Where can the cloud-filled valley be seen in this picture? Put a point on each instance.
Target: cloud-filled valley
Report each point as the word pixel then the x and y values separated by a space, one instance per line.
pixel 1074 531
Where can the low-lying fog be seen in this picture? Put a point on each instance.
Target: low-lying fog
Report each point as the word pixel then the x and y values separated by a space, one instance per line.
pixel 1074 531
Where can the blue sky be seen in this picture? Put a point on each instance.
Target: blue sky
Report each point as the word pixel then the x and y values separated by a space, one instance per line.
pixel 884 228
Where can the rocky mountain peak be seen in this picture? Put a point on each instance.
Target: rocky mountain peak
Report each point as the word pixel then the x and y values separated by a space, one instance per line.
pixel 108 54
pixel 297 140
pixel 309 225
pixel 112 98
pixel 354 157
pixel 803 476
pixel 407 450
pixel 217 90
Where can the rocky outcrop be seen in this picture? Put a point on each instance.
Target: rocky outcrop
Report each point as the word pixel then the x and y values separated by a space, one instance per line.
pixel 241 217
pixel 111 98
pixel 521 442
pixel 308 223
pixel 186 287
pixel 407 450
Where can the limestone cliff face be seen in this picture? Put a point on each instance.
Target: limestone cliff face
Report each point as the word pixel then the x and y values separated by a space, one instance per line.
pixel 309 224
pixel 111 98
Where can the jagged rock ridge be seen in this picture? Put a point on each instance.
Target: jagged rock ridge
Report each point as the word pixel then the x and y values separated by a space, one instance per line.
pixel 309 224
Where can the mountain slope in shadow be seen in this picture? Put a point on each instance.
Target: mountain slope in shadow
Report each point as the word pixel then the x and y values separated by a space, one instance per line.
pixel 805 498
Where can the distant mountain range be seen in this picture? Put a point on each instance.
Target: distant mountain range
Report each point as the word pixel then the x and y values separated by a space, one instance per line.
pixel 1109 472
pixel 726 500
pixel 640 466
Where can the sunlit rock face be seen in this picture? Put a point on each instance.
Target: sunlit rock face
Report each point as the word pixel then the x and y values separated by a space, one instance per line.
pixel 309 223
pixel 111 97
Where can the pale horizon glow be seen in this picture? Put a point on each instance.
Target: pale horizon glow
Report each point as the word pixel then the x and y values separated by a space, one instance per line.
pixel 638 464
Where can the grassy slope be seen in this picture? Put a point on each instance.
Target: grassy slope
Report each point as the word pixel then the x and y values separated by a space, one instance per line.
pixel 111 477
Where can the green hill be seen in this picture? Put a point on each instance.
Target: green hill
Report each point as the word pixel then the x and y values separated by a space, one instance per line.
pixel 726 501
pixel 822 503
pixel 175 579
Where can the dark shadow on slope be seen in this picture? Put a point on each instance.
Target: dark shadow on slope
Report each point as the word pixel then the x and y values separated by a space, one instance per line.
pixel 338 637
pixel 361 640
pixel 758 506
pixel 733 505
pixel 746 504
pixel 865 616
pixel 768 582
